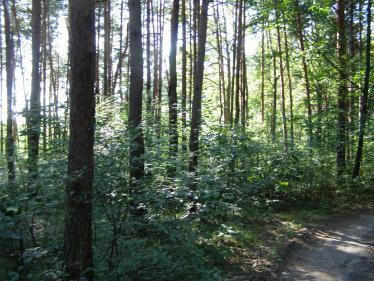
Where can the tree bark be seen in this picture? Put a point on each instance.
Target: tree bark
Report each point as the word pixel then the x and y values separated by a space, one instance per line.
pixel 10 67
pixel 107 49
pixel 198 84
pixel 273 123
pixel 161 20
pixel 34 114
pixel 122 55
pixel 263 74
pixel 342 92
pixel 172 91
pixel 44 76
pixel 148 54
pixel 234 62
pixel 238 61
pixel 1 93
pixel 184 77
pixel 292 137
pixel 136 92
pixel 306 72
pixel 78 219
pixel 280 53
pixel 364 97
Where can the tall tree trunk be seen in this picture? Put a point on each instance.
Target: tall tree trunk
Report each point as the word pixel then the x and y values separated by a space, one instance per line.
pixel 244 82
pixel 352 69
pixel 161 20
pixel 228 90
pixel 195 28
pixel 122 55
pixel 172 91
pixel 273 122
pixel 364 97
pixel 198 84
pixel 184 77
pixel 155 27
pixel 234 62
pixel 10 67
pixel 107 49
pixel 34 115
pixel 342 92
pixel 78 219
pixel 148 54
pixel 97 65
pixel 136 92
pixel 221 73
pixel 238 61
pixel 1 92
pixel 224 92
pixel 306 72
pixel 44 75
pixel 19 58
pixel 263 74
pixel 292 137
pixel 279 39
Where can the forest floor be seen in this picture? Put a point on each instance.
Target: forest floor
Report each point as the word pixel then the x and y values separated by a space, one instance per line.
pixel 342 250
pixel 313 245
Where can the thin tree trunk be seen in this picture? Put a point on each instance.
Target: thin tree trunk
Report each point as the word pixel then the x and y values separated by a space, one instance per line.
pixel 244 86
pixel 122 54
pixel 227 108
pixel 160 70
pixel 16 30
pixel 221 70
pixel 118 72
pixel 10 67
pixel 184 77
pixel 107 49
pixel 306 72
pixel 273 123
pixel 292 137
pixel 136 92
pixel 191 57
pixel 263 74
pixel 238 61
pixel 234 62
pixel 97 66
pixel 352 92
pixel 198 83
pixel 148 54
pixel 364 97
pixel 279 39
pixel 342 93
pixel 156 36
pixel 172 91
pixel 34 115
pixel 1 91
pixel 196 14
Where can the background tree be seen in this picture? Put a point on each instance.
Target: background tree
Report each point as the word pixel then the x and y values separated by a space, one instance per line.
pixel 364 97
pixel 198 87
pixel 34 114
pixel 10 68
pixel 136 92
pixel 342 92
pixel 172 91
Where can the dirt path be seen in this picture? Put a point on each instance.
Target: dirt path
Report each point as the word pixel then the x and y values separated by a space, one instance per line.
pixel 343 252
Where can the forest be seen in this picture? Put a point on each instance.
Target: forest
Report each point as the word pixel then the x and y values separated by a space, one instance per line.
pixel 178 140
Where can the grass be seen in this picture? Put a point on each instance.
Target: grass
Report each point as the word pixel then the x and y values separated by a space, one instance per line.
pixel 260 235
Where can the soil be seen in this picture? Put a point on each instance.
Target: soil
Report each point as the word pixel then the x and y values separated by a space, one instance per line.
pixel 342 251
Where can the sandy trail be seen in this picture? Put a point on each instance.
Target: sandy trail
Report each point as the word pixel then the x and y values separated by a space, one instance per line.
pixel 341 252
